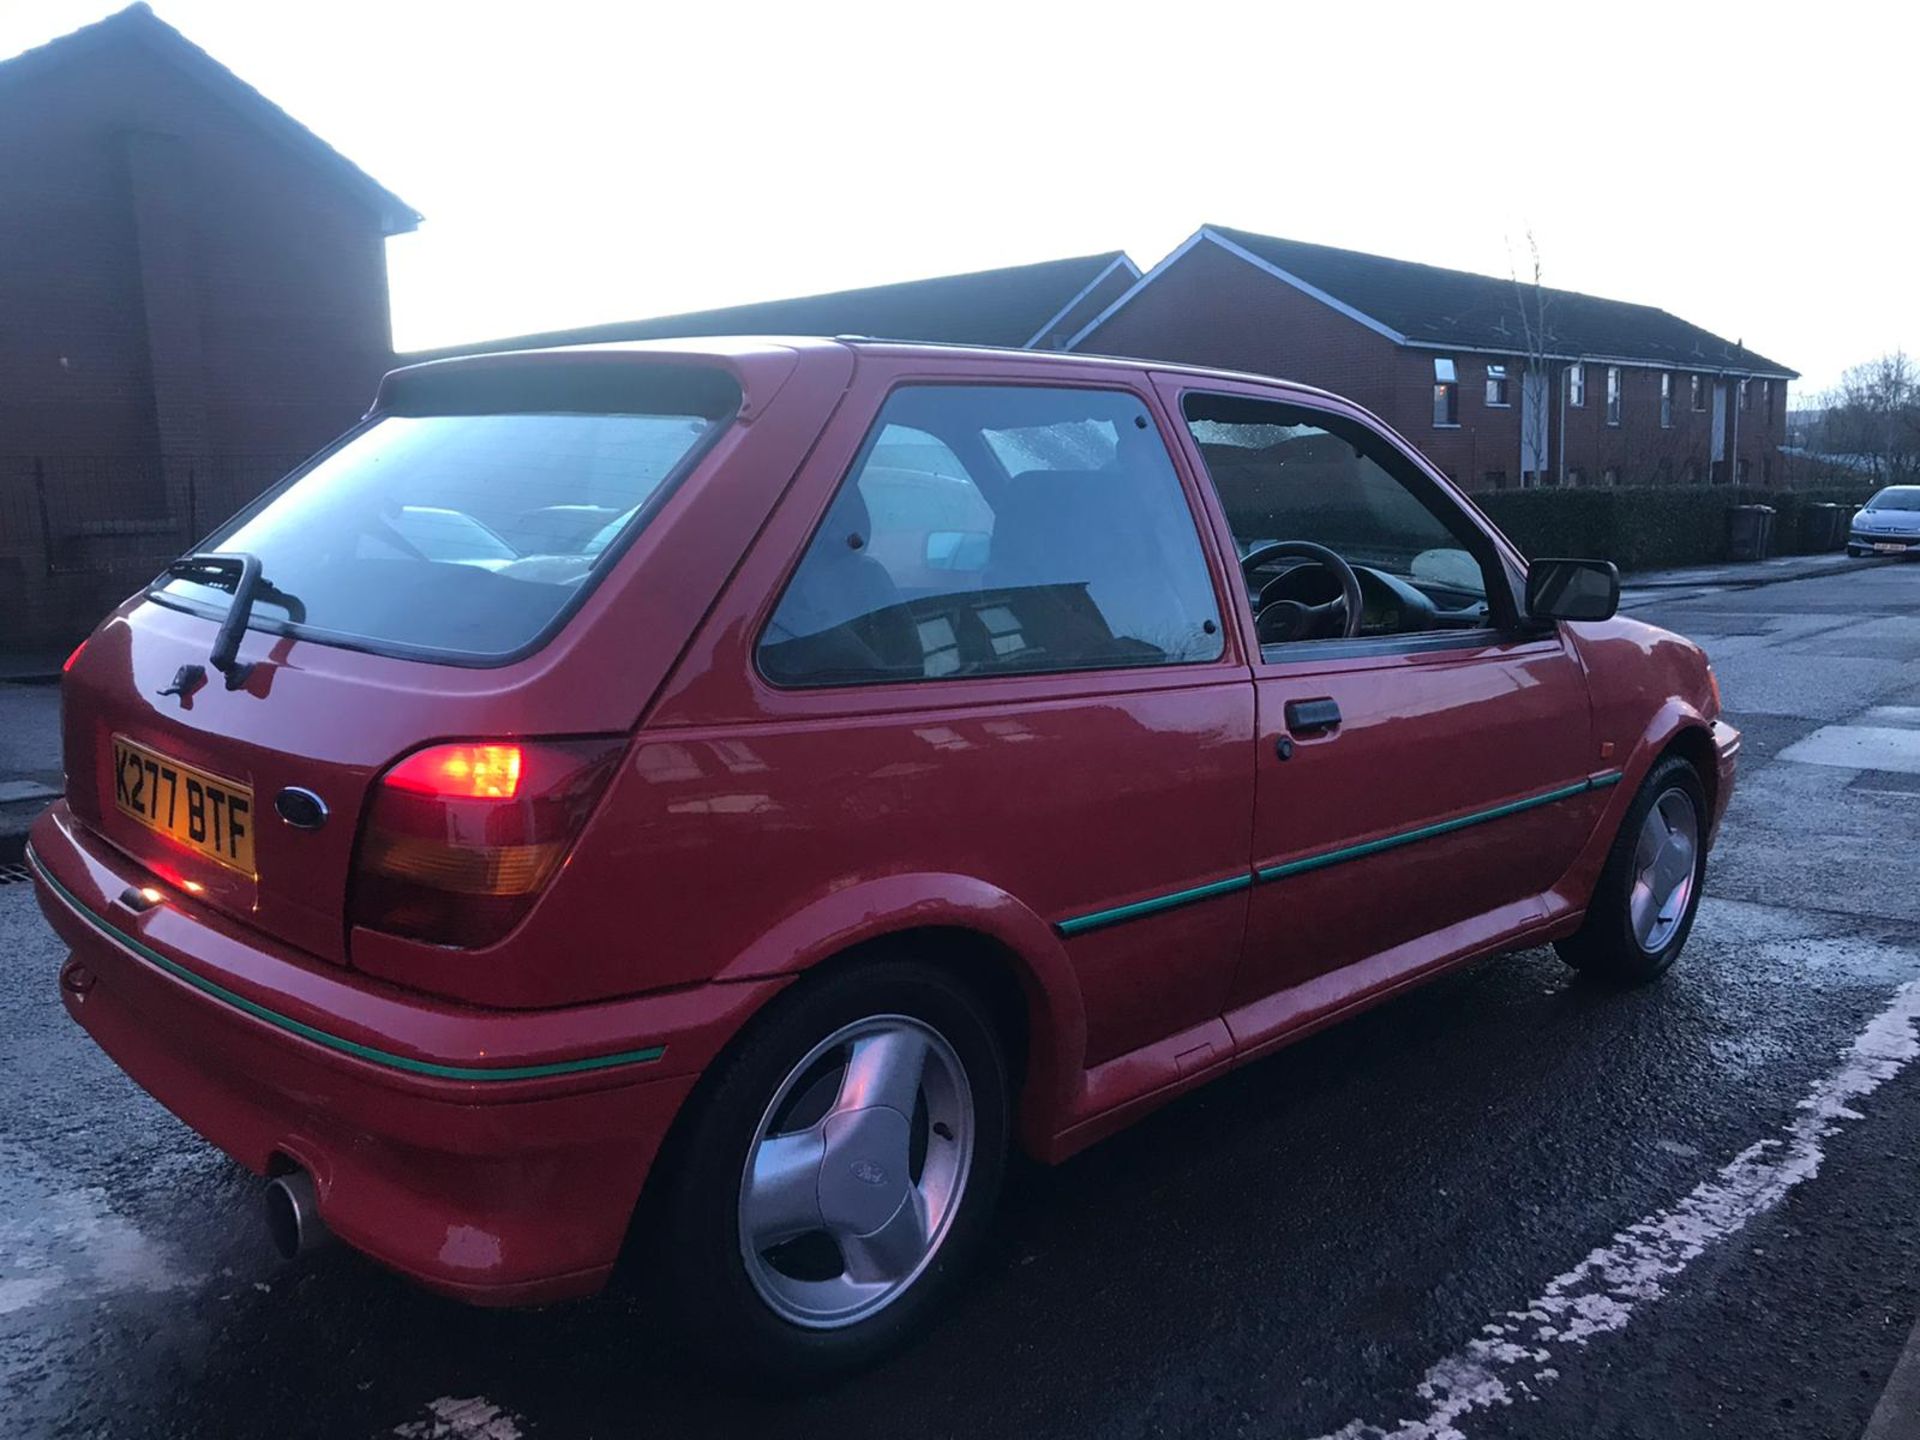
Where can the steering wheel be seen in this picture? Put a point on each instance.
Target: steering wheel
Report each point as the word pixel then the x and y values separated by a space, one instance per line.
pixel 1277 619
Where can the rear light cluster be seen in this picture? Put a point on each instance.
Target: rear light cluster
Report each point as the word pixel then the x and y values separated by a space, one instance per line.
pixel 461 839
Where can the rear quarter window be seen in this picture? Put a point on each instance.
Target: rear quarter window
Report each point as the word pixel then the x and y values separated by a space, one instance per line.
pixel 995 530
pixel 464 537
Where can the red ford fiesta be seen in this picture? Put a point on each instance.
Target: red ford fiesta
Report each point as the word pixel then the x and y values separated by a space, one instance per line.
pixel 782 776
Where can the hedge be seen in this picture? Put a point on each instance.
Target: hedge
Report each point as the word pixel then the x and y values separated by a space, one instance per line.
pixel 1656 526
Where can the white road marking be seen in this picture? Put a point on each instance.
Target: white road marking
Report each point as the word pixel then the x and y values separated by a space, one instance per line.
pixel 1859 747
pixel 1517 1353
pixel 474 1418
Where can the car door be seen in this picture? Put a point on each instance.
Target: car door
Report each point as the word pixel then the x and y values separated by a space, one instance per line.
pixel 1419 787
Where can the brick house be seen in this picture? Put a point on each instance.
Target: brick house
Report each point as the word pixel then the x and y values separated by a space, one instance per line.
pixel 1604 392
pixel 193 293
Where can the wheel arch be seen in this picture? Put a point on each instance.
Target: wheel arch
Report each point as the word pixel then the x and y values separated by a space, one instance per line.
pixel 1676 728
pixel 1693 743
pixel 977 932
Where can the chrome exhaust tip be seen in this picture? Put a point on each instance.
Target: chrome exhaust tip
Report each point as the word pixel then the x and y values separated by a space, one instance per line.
pixel 293 1215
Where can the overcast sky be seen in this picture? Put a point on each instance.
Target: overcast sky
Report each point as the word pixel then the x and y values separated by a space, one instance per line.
pixel 1751 169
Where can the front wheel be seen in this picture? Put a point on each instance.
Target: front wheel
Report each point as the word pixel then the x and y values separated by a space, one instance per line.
pixel 838 1174
pixel 1642 910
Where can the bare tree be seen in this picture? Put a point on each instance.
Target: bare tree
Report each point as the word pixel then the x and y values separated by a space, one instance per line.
pixel 1534 302
pixel 1873 417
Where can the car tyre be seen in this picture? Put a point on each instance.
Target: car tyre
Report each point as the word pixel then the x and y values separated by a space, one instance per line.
pixel 1643 908
pixel 802 1127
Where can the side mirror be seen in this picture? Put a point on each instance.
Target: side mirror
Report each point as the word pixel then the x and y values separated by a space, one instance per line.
pixel 1572 589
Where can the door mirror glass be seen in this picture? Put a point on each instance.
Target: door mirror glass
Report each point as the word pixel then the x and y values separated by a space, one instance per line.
pixel 1572 589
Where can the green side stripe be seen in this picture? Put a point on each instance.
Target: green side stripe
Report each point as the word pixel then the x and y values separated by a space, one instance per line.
pixel 336 1042
pixel 1080 924
pixel 1427 832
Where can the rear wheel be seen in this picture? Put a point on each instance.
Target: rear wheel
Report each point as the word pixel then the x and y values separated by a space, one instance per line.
pixel 1642 910
pixel 838 1175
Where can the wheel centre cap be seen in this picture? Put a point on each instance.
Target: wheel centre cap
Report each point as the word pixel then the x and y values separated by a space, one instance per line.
pixel 863 1175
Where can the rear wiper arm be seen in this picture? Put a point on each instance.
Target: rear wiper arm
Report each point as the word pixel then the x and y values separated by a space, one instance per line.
pixel 238 573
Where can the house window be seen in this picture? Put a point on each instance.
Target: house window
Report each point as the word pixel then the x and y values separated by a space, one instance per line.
pixel 1697 386
pixel 1575 479
pixel 1740 471
pixel 1746 392
pixel 1577 386
pixel 1497 385
pixel 1666 398
pixel 1613 394
pixel 1611 476
pixel 1446 392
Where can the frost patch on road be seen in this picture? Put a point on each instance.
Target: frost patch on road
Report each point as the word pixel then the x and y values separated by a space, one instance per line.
pixel 68 1244
pixel 1511 1359
pixel 471 1419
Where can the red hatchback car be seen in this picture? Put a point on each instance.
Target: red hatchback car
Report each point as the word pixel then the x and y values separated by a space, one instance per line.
pixel 778 777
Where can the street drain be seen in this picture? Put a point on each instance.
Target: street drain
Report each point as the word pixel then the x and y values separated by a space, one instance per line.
pixel 14 875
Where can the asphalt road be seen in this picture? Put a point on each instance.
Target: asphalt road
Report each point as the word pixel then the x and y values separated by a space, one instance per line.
pixel 1511 1204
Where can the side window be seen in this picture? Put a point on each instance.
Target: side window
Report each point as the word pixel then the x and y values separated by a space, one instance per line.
pixel 1287 473
pixel 996 530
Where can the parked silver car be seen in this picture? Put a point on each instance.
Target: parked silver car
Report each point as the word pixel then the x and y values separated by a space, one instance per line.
pixel 1888 524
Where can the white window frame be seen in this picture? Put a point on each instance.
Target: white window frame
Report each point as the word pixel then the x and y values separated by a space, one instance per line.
pixel 1666 398
pixel 1497 376
pixel 1615 409
pixel 1446 380
pixel 1577 386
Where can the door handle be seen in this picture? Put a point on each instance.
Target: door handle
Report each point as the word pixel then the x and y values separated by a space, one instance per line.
pixel 1312 717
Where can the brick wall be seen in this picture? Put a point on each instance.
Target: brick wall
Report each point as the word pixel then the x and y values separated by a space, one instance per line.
pixel 177 288
pixel 1212 308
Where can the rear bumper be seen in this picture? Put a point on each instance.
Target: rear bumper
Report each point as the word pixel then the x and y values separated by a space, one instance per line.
pixel 494 1156
pixel 1726 746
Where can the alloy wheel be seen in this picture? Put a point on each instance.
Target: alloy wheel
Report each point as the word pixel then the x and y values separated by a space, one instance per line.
pixel 857 1170
pixel 1665 864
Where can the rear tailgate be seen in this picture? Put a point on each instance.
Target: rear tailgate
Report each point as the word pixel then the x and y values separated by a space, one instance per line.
pixel 316 725
pixel 327 719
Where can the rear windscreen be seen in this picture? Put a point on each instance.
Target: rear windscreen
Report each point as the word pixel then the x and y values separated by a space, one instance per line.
pixel 459 536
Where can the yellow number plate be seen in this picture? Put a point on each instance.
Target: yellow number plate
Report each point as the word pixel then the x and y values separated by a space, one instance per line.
pixel 204 812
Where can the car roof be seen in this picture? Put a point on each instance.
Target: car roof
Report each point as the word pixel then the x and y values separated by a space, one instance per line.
pixel 742 353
